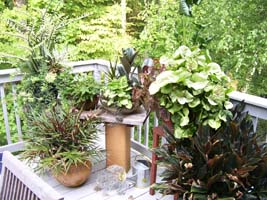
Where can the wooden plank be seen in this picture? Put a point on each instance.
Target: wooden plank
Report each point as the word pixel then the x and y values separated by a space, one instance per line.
pixel 10 75
pixel 5 113
pixel 249 99
pixel 134 119
pixel 141 148
pixel 13 147
pixel 157 196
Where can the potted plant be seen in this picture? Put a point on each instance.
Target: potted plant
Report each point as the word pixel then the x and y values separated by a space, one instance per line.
pixel 117 95
pixel 81 88
pixel 57 140
pixel 194 90
pixel 227 163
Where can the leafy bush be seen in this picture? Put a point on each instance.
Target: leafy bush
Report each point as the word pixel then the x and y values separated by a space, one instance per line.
pixel 194 90
pixel 215 164
pixel 78 88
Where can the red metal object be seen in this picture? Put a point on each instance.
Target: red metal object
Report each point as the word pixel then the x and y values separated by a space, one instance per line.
pixel 157 133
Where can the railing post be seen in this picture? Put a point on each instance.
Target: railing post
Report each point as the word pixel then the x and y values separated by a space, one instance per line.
pixel 5 113
pixel 16 111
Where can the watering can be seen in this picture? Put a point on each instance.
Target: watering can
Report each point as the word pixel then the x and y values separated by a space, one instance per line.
pixel 141 171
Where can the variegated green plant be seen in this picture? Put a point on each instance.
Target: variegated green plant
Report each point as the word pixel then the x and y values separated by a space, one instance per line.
pixel 194 90
pixel 118 93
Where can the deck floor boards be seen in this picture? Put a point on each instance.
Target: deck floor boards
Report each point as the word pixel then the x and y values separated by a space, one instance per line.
pixel 88 192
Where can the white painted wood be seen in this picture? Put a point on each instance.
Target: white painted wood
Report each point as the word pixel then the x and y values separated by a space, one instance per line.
pixel 146 132
pixel 249 99
pixel 141 148
pixel 16 111
pixel 26 176
pixel 5 113
pixel 10 75
pixel 132 133
pixel 139 130
pixel 257 106
pixel 13 147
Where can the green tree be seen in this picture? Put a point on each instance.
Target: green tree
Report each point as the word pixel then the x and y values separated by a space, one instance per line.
pixel 233 31
pixel 239 40
pixel 165 30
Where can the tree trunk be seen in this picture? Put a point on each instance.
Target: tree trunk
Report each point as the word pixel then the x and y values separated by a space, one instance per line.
pixel 123 15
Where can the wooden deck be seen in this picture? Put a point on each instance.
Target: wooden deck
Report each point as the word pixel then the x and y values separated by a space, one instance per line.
pixel 88 190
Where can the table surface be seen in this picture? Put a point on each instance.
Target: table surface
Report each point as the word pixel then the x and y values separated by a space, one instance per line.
pixel 136 118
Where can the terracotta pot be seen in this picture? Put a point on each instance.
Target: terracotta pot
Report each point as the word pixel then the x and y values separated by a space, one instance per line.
pixel 76 175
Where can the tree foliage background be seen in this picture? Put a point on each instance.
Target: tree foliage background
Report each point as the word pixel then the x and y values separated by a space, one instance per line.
pixel 233 31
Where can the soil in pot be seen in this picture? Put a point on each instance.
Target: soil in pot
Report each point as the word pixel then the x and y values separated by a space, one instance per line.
pixel 76 175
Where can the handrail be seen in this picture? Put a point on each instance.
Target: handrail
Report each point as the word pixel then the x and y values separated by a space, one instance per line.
pixel 256 106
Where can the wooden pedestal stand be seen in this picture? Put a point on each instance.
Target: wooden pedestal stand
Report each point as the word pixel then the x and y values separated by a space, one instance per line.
pixel 118 143
pixel 118 137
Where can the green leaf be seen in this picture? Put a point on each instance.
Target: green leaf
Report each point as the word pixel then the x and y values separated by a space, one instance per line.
pixel 211 101
pixel 194 103
pixel 182 100
pixel 196 85
pixel 214 123
pixel 228 105
pixel 184 120
pixel 214 68
pixel 165 78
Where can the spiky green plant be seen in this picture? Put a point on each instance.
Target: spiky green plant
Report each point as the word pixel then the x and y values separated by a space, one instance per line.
pixel 58 138
pixel 40 36
pixel 216 164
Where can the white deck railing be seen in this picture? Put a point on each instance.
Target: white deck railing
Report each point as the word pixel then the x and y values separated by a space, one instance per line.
pixel 256 106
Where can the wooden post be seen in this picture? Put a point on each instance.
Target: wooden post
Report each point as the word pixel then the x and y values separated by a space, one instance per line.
pixel 118 145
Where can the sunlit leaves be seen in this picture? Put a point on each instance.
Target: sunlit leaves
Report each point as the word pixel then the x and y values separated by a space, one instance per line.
pixel 194 90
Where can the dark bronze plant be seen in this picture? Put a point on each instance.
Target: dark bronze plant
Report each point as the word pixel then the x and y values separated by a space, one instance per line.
pixel 216 164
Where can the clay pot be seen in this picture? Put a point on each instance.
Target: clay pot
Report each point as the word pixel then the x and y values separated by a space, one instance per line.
pixel 76 175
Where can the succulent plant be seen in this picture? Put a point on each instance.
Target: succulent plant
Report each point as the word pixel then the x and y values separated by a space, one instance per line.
pixel 214 164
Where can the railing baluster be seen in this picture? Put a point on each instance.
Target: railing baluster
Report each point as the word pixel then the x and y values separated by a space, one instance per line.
pixel 5 113
pixel 139 128
pixel 16 111
pixel 156 120
pixel 146 132
pixel 132 133
pixel 255 123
